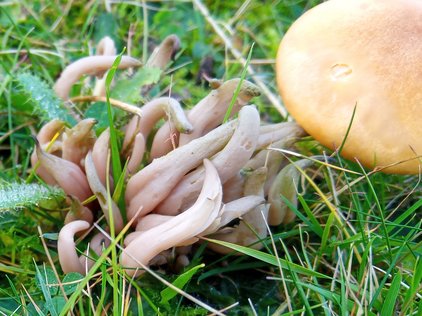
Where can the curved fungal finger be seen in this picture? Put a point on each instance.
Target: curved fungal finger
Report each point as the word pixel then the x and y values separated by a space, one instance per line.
pixel 78 212
pixel 180 228
pixel 131 237
pixel 100 153
pixel 160 107
pixel 68 256
pixel 228 162
pixel 49 130
pixel 152 112
pixel 274 160
pixel 245 234
pixel 253 227
pixel 233 188
pixel 65 173
pixel 105 47
pixel 182 261
pixel 97 244
pixel 44 137
pixel 205 116
pixel 137 155
pixel 78 140
pixel 91 65
pixel 152 184
pixel 285 184
pixel 131 130
pixel 163 54
pixel 150 221
pixel 210 111
pixel 235 209
pixel 112 215
pixel 165 140
pixel 272 133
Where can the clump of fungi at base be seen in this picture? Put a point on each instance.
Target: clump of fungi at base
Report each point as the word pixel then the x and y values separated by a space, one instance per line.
pixel 197 184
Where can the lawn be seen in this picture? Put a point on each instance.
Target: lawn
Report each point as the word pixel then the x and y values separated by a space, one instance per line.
pixel 353 248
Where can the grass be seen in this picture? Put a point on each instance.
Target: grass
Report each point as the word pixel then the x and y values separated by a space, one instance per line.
pixel 354 249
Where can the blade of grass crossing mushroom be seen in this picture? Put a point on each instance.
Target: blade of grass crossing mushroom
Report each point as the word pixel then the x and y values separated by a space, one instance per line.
pixel 115 156
pixel 236 92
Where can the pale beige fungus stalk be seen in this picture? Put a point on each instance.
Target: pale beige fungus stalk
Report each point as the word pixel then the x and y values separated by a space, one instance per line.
pixel 97 244
pixel 101 193
pixel 253 226
pixel 162 54
pixel 152 112
pixel 78 212
pixel 66 174
pixel 152 184
pixel 285 184
pixel 99 155
pixel 105 47
pixel 137 154
pixel 78 140
pixel 44 137
pixel 207 114
pixel 91 65
pixel 178 229
pixel 68 257
pixel 227 162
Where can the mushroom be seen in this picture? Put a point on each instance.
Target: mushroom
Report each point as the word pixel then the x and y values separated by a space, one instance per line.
pixel 285 185
pixel 97 244
pixel 207 114
pixel 210 111
pixel 112 215
pixel 179 229
pixel 100 153
pixel 91 65
pixel 253 227
pixel 105 47
pixel 78 212
pixel 272 133
pixel 68 257
pixel 152 112
pixel 147 188
pixel 78 140
pixel 44 137
pixel 227 162
pixel 162 54
pixel 138 152
pixel 356 63
pixel 65 173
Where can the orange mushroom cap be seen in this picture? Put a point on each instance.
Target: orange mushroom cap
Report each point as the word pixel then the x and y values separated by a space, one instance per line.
pixel 363 53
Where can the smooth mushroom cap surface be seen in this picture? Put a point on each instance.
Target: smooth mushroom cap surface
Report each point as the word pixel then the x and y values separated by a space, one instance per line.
pixel 363 53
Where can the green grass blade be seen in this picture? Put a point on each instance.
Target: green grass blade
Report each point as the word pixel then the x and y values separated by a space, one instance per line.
pixel 167 294
pixel 326 233
pixel 270 259
pixel 45 290
pixel 115 152
pixel 310 218
pixel 236 92
pixel 409 212
pixel 391 297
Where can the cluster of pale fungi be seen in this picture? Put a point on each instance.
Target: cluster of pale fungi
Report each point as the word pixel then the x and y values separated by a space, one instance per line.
pixel 195 185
